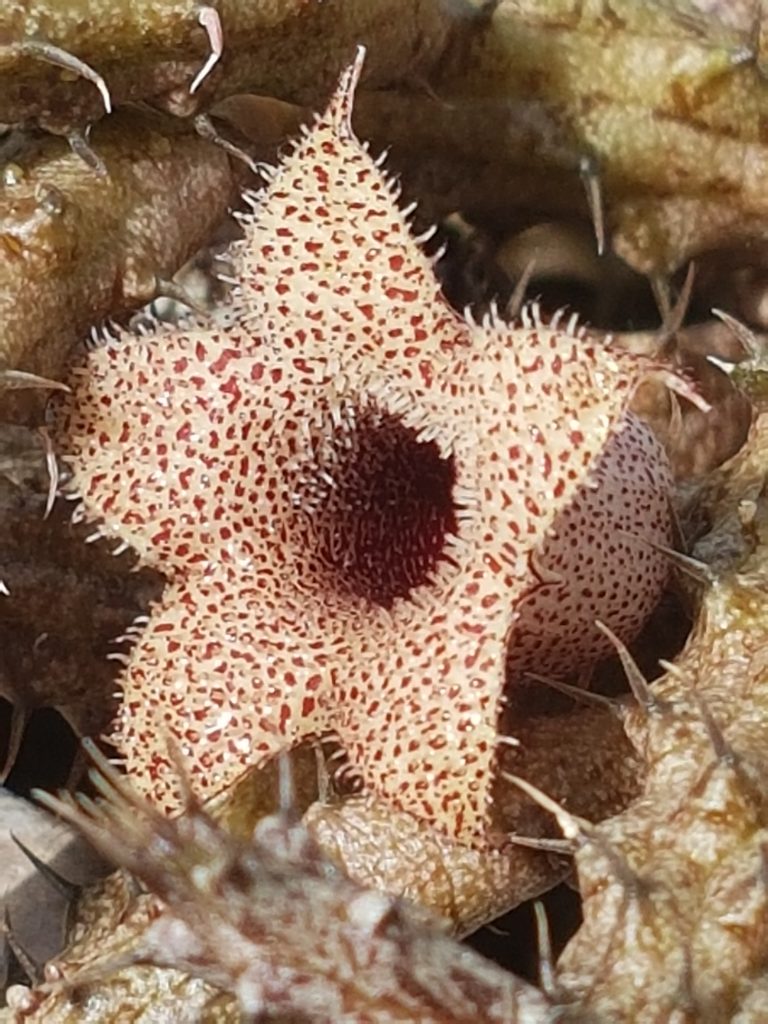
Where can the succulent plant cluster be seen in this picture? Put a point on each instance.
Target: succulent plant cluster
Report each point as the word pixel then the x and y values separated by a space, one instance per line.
pixel 393 543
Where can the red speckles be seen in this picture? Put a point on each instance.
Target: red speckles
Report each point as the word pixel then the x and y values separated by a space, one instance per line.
pixel 301 476
pixel 220 364
pixel 402 294
pixel 231 387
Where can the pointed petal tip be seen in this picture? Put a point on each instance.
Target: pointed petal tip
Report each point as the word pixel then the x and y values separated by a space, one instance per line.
pixel 339 111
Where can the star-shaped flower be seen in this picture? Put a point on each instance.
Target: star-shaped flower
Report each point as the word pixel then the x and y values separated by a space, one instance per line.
pixel 374 516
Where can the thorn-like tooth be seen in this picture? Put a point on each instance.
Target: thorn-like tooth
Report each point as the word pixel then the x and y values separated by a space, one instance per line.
pixel 590 176
pixel 721 364
pixel 93 537
pixel 693 567
pixel 19 719
pixel 565 847
pixel 13 380
pixel 571 826
pixel 4 589
pixel 57 881
pixel 517 299
pixel 62 58
pixel 637 681
pixel 208 18
pixel 409 209
pixel 30 967
pixel 682 387
pixel 748 339
pixel 78 143
pixel 577 693
pixel 547 981
pixel 723 750
pixel 572 326
pixel 52 468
